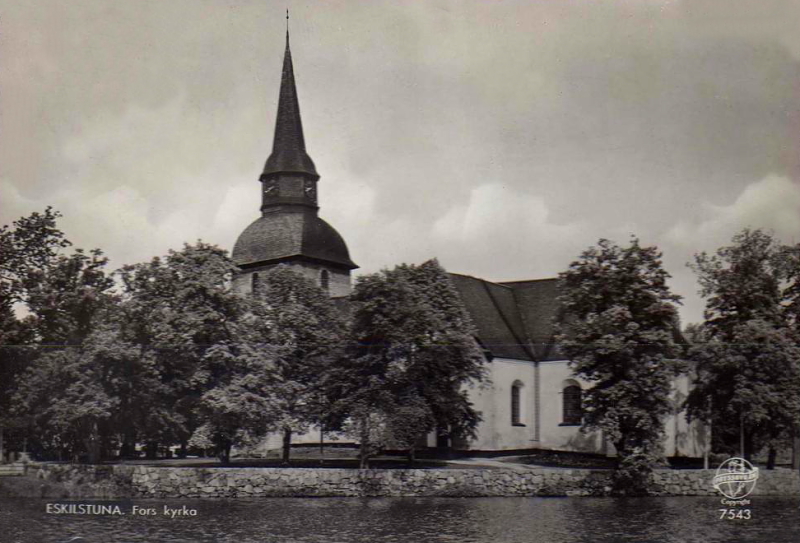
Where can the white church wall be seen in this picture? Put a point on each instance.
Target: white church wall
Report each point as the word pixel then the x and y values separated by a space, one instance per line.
pixel 493 400
pixel 339 281
pixel 683 438
pixel 242 283
pixel 680 437
pixel 553 433
pixel 496 431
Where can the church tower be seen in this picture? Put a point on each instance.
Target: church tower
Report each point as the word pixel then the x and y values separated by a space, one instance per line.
pixel 289 230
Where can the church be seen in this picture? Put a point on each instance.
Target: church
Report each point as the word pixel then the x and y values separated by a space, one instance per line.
pixel 534 401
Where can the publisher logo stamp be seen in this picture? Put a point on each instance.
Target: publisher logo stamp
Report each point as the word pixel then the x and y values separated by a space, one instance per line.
pixel 736 478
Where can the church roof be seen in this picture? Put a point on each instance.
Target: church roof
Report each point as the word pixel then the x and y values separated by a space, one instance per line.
pixel 514 319
pixel 538 304
pixel 282 235
pixel 289 146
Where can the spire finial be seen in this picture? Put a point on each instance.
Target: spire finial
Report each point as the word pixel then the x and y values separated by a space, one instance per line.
pixel 288 146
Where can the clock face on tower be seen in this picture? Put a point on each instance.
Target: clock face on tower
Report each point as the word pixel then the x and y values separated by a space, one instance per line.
pixel 310 190
pixel 269 188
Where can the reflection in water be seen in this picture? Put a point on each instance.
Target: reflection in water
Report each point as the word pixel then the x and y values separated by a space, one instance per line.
pixel 402 520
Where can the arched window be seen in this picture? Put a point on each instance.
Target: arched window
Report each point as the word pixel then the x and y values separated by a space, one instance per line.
pixel 573 410
pixel 255 282
pixel 516 404
pixel 325 280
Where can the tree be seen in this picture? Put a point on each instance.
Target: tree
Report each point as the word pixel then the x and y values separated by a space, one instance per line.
pixel 788 263
pixel 366 424
pixel 301 333
pixel 72 396
pixel 414 346
pixel 748 389
pixel 747 366
pixel 66 298
pixel 236 409
pixel 742 282
pixel 403 422
pixel 182 315
pixel 618 335
pixel 29 244
pixel 66 394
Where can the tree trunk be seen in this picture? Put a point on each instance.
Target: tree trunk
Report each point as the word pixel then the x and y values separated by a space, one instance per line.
pixel 2 449
pixel 795 450
pixel 619 447
pixel 94 453
pixel 321 445
pixel 225 453
pixel 364 446
pixel 128 449
pixel 105 447
pixel 287 445
pixel 411 455
pixel 92 444
pixel 748 446
pixel 707 445
pixel 182 452
pixel 152 450
pixel 741 437
pixel 707 434
pixel 773 455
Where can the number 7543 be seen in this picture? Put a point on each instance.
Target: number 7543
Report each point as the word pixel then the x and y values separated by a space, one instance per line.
pixel 733 514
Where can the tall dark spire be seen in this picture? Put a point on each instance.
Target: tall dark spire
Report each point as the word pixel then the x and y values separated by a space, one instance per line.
pixel 289 148
pixel 290 230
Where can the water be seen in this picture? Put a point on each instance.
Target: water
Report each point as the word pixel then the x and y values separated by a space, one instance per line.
pixel 401 520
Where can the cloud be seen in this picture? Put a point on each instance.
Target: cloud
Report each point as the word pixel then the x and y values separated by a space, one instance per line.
pixel 14 203
pixel 495 209
pixel 143 180
pixel 502 137
pixel 500 231
pixel 772 203
pixel 496 233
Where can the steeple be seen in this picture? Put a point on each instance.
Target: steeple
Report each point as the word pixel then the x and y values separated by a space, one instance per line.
pixel 290 231
pixel 289 147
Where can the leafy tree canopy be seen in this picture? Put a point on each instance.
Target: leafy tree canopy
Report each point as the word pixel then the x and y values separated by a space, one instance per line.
pixel 741 282
pixel 68 392
pixel 182 314
pixel 414 345
pixel 745 354
pixel 296 334
pixel 619 336
pixel 27 246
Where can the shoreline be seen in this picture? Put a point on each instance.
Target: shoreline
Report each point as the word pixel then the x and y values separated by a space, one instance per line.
pixel 68 481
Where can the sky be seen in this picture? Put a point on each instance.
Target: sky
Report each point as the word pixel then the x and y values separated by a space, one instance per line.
pixel 502 137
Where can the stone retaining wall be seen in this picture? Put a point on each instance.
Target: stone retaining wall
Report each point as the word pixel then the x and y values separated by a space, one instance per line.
pixel 12 469
pixel 78 481
pixel 164 482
